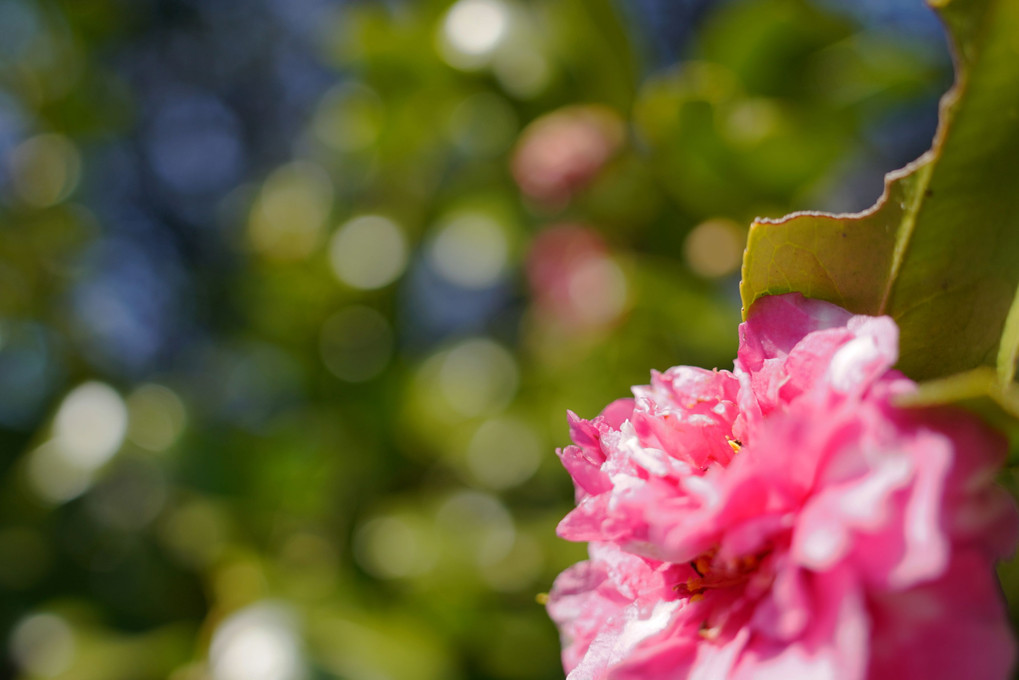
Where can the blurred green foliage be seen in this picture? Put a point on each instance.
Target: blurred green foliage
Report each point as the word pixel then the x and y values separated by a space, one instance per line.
pixel 341 463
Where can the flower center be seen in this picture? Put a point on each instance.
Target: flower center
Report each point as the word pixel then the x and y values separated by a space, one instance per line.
pixel 710 572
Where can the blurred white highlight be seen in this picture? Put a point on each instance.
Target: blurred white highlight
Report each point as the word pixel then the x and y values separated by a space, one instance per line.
pixel 471 31
pixel 258 642
pixel 43 645
pixel 478 376
pixel 91 424
pixel 368 252
pixel 470 251
pixel 88 429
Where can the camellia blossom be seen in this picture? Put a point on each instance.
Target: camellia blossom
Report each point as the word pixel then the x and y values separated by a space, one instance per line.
pixel 786 520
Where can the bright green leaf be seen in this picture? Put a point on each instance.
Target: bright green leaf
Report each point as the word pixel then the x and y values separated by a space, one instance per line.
pixel 939 252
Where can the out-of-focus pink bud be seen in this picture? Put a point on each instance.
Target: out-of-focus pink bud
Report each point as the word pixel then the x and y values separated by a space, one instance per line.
pixel 573 278
pixel 561 152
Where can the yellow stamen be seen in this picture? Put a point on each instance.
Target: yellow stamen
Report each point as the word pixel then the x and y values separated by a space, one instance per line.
pixel 709 633
pixel 749 562
pixel 702 565
pixel 735 444
pixel 541 598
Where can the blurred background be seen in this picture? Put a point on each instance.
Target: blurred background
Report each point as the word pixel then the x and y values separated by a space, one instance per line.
pixel 294 296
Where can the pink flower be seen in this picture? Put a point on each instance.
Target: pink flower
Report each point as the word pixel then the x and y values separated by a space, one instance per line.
pixel 786 521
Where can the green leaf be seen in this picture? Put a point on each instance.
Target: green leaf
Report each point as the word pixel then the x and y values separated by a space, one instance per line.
pixel 939 252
